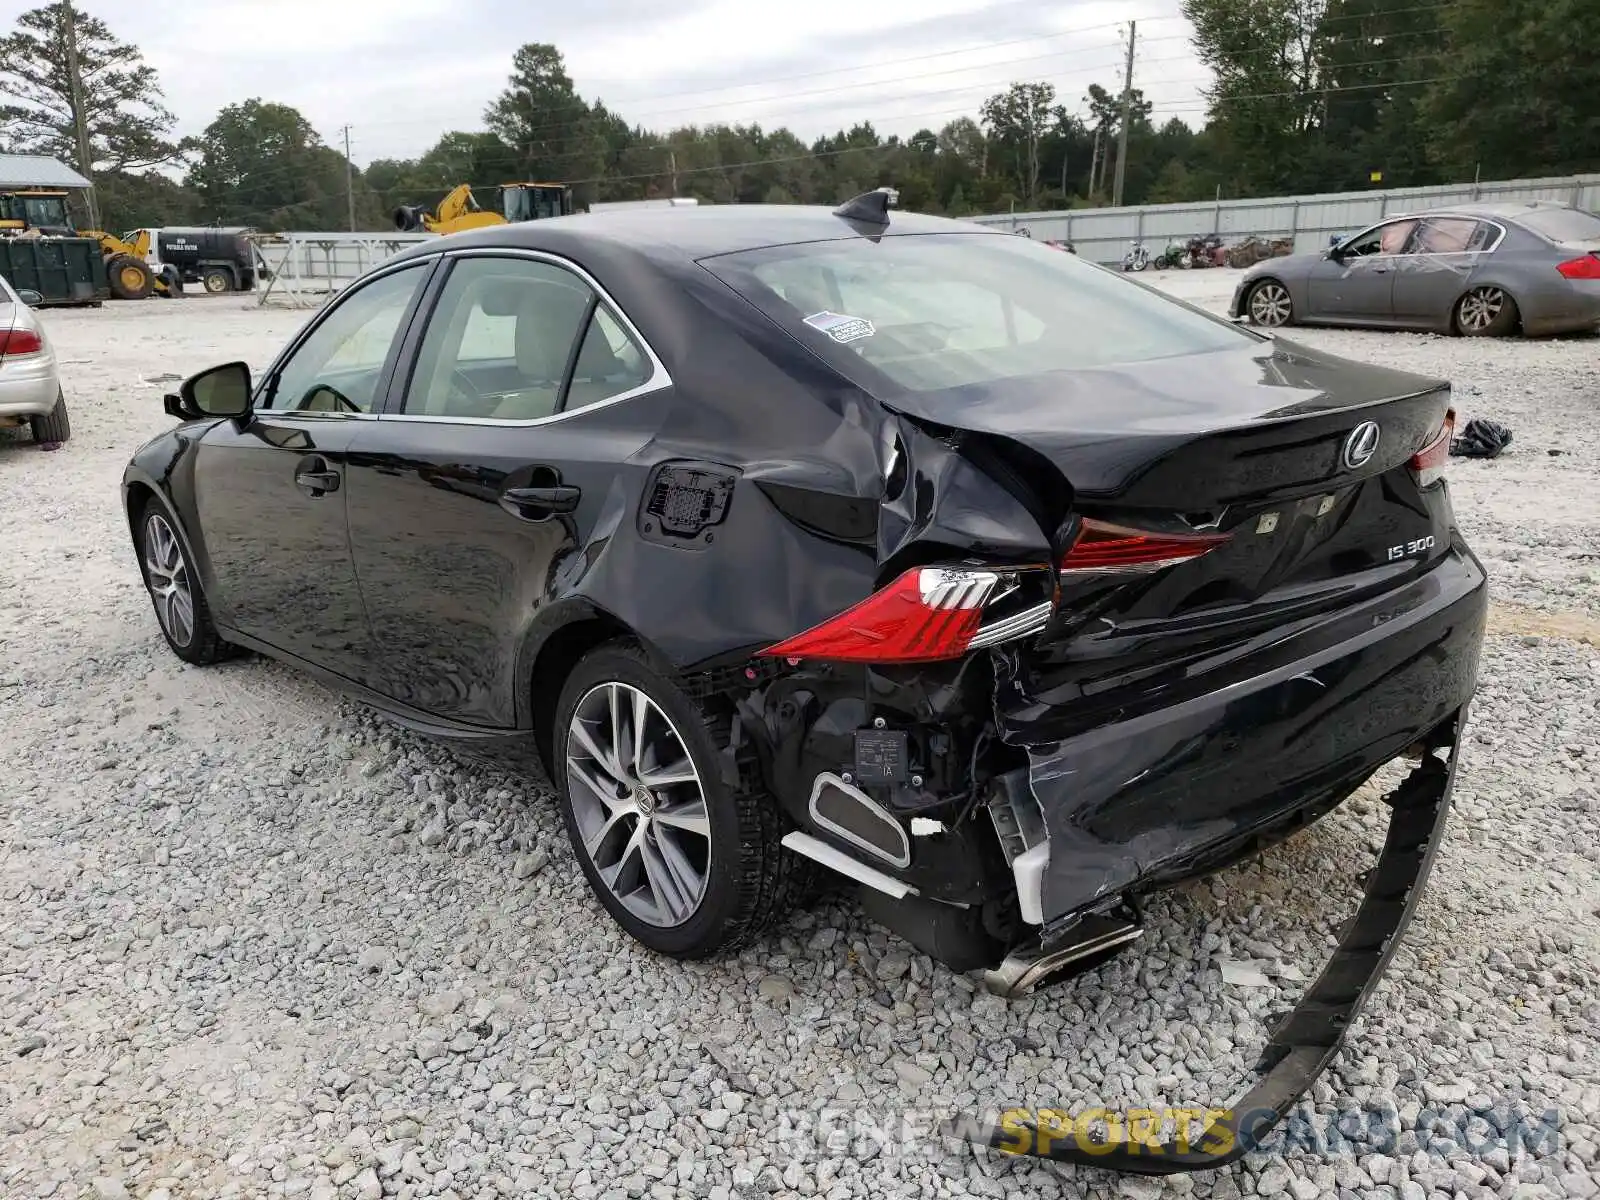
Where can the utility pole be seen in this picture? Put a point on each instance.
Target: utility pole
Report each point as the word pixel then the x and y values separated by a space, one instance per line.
pixel 349 179
pixel 80 118
pixel 1127 112
pixel 672 162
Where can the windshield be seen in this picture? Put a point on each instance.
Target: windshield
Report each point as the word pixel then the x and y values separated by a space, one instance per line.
pixel 929 312
pixel 1564 224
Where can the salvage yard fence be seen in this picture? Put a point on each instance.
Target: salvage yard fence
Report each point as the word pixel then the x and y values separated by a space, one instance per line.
pixel 304 269
pixel 1104 234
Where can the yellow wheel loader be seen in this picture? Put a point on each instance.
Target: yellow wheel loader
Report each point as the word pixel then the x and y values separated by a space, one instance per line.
pixel 459 211
pixel 127 271
pixel 39 212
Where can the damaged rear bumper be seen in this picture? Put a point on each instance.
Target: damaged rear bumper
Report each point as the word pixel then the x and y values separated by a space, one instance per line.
pixel 1261 745
pixel 1305 1041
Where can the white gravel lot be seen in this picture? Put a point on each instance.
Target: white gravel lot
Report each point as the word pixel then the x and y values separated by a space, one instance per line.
pixel 257 942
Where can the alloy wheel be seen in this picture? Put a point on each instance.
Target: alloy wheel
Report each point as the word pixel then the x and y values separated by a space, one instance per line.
pixel 167 575
pixel 1480 308
pixel 1269 304
pixel 638 803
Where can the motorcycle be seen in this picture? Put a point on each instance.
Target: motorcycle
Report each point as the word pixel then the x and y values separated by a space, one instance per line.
pixel 1137 258
pixel 1204 251
pixel 1176 255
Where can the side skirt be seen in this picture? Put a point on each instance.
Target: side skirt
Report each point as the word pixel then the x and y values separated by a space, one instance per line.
pixel 515 746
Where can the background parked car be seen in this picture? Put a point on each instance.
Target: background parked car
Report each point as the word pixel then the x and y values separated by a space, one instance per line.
pixel 1479 270
pixel 30 380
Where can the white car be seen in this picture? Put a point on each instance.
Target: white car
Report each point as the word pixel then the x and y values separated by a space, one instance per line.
pixel 30 379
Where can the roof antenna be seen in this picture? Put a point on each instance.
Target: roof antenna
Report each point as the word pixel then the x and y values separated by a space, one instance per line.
pixel 870 208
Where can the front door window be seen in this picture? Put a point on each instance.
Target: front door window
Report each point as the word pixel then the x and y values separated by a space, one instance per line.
pixel 338 367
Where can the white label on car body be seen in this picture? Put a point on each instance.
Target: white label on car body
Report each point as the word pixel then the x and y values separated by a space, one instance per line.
pixel 840 326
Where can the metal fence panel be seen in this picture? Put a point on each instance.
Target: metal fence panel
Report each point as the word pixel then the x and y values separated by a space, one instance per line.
pixel 307 267
pixel 1104 234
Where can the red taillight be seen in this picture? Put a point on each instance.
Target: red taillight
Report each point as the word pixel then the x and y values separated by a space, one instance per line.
pixel 927 614
pixel 1586 266
pixel 19 341
pixel 1428 463
pixel 934 613
pixel 1102 547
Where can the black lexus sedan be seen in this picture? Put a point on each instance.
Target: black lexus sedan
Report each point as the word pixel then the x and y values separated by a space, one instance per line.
pixel 782 537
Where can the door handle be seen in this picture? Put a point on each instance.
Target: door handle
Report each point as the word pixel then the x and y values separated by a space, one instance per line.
pixel 537 503
pixel 317 483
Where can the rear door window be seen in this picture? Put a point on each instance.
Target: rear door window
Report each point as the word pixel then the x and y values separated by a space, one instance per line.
pixel 1450 235
pixel 934 311
pixel 1563 224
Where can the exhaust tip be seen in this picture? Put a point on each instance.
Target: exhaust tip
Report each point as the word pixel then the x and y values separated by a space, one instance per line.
pixel 1092 941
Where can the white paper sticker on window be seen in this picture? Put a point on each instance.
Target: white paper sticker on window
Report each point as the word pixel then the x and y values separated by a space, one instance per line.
pixel 839 327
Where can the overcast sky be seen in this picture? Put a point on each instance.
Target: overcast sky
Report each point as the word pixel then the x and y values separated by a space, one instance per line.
pixel 401 72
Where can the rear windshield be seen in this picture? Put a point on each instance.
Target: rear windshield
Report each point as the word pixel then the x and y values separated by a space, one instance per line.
pixel 1564 224
pixel 929 312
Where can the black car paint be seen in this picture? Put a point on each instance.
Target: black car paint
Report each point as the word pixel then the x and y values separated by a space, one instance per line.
pixel 1156 751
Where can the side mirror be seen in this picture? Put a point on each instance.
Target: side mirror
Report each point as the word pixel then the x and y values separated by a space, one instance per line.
pixel 219 392
pixel 30 297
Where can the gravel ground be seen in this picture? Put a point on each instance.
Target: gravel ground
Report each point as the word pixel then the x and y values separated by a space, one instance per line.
pixel 255 941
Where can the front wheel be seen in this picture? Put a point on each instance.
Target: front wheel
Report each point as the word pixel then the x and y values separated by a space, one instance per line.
pixel 1269 304
pixel 686 859
pixel 180 605
pixel 130 278
pixel 1486 312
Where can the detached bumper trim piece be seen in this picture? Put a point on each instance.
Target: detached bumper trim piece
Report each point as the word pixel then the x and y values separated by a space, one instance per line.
pixel 1306 1040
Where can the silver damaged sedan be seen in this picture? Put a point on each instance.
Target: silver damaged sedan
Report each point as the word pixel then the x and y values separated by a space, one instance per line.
pixel 30 380
pixel 1483 270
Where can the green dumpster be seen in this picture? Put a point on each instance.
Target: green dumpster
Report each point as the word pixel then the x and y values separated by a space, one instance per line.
pixel 64 270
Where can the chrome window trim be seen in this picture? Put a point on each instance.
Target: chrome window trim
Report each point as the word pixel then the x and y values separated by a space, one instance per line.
pixel 659 378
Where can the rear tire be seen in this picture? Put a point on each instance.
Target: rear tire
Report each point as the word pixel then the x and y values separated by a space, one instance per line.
pixel 175 591
pixel 52 426
pixel 216 281
pixel 1486 312
pixel 129 278
pixel 675 835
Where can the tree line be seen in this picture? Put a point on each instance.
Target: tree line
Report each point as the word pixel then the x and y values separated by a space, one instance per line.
pixel 1308 95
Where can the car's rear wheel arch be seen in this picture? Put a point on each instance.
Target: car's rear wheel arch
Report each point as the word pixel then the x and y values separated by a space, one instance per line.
pixel 553 661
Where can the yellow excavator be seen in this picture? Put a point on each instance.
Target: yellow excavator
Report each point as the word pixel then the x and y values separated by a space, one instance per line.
pixel 459 211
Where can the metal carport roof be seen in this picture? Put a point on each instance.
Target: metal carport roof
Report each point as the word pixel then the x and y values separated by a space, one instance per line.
pixel 35 170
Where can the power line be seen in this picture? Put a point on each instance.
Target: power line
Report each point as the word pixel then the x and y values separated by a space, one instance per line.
pixel 680 138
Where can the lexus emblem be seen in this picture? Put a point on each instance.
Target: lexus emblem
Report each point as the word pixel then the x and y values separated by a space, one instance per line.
pixel 1361 445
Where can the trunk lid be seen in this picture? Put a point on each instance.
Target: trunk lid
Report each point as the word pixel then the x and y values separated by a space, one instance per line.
pixel 1199 432
pixel 1263 445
